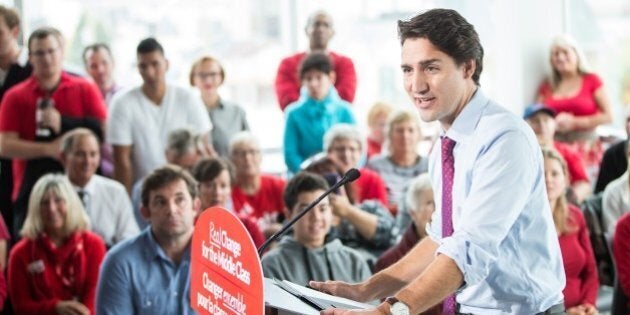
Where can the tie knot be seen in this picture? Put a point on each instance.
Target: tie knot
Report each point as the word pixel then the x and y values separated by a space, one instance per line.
pixel 447 146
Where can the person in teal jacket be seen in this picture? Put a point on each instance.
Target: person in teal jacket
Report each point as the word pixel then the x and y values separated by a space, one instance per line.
pixel 318 109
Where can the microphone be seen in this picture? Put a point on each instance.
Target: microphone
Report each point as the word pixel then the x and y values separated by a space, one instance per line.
pixel 348 177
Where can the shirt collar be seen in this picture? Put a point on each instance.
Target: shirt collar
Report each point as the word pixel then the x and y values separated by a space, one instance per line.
pixel 65 77
pixel 153 249
pixel 90 187
pixel 465 123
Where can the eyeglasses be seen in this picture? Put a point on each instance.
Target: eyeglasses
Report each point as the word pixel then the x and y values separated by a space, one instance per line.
pixel 42 53
pixel 205 75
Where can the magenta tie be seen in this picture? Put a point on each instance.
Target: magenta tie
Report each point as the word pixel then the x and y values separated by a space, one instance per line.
pixel 448 170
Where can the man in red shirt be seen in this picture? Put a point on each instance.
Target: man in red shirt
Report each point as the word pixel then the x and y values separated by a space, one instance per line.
pixel 37 112
pixel 255 194
pixel 319 29
pixel 541 119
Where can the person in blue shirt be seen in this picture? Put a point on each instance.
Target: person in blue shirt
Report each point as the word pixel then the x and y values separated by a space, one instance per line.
pixel 492 245
pixel 318 109
pixel 150 274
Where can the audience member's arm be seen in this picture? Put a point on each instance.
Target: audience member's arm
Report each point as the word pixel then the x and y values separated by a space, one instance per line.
pixel 621 251
pixel 604 116
pixel 95 252
pixel 364 222
pixel 21 288
pixel 581 189
pixel 292 156
pixel 12 146
pixel 611 209
pixel 287 88
pixel 113 295
pixel 123 171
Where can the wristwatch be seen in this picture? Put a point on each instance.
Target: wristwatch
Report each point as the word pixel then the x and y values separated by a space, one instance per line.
pixel 397 307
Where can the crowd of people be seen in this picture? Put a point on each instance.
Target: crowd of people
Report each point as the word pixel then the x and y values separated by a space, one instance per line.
pixel 101 184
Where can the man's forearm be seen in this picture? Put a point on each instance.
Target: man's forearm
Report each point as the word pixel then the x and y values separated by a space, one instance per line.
pixel 439 280
pixel 122 173
pixel 24 149
pixel 397 276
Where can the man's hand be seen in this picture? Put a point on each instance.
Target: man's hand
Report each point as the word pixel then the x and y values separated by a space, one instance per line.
pixel 51 118
pixel 340 289
pixel 583 309
pixel 382 309
pixel 53 148
pixel 71 308
pixel 340 203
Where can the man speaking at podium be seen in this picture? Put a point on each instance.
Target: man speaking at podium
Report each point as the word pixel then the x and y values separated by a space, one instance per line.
pixel 493 247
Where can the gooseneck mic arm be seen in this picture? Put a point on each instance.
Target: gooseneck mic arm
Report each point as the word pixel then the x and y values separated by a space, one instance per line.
pixel 350 176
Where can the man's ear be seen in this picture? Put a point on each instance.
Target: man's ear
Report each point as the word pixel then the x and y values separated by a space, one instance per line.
pixel 167 63
pixel 197 205
pixel 333 77
pixel 64 159
pixel 469 68
pixel 146 214
pixel 287 213
pixel 15 32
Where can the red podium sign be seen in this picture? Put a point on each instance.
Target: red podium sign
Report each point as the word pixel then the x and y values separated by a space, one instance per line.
pixel 226 275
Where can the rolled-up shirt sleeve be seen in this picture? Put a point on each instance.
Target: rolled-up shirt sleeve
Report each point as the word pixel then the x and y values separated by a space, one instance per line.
pixel 498 186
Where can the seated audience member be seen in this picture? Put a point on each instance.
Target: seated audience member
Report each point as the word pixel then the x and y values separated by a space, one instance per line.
pixel 215 177
pixel 105 200
pixel 306 255
pixel 319 29
pixel 255 194
pixel 53 269
pixel 184 148
pixel 377 121
pixel 541 119
pixel 150 273
pixel 314 113
pixel 344 145
pixel 615 161
pixel 142 118
pixel 616 200
pixel 420 206
pixel 621 252
pixel 578 97
pixel 367 227
pixel 402 162
pixel 16 68
pixel 38 111
pixel 582 282
pixel 99 64
pixel 227 118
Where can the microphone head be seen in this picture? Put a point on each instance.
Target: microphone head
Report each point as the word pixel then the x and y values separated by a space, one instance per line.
pixel 351 175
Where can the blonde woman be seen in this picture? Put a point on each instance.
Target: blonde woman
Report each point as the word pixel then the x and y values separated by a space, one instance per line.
pixel 54 268
pixel 578 97
pixel 580 292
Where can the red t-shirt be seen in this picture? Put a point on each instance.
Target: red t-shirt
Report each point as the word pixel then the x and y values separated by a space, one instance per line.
pixel 621 251
pixel 370 186
pixel 582 104
pixel 288 83
pixel 40 274
pixel 74 97
pixel 373 148
pixel 268 200
pixel 579 263
pixel 577 171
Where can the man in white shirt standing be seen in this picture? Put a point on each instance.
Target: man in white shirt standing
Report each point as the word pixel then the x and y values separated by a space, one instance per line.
pixel 105 200
pixel 142 117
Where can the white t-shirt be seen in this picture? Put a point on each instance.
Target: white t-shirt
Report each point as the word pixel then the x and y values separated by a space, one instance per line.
pixel 135 120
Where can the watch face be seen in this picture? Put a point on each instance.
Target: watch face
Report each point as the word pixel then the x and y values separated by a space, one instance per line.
pixel 399 308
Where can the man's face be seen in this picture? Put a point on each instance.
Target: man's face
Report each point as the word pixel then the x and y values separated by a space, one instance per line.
pixel 317 83
pixel 404 136
pixel 171 210
pixel 544 127
pixel 8 37
pixel 82 160
pixel 347 152
pixel 320 31
pixel 246 158
pixel 435 84
pixel 152 67
pixel 46 57
pixel 100 66
pixel 312 228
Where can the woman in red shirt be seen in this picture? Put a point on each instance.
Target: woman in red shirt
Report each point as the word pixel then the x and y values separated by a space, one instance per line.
pixel 54 268
pixel 578 97
pixel 582 282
